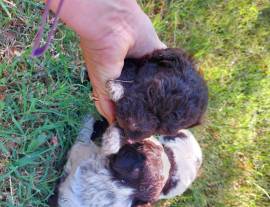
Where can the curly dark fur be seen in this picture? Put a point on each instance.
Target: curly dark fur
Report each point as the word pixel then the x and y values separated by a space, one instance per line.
pixel 163 93
pixel 139 165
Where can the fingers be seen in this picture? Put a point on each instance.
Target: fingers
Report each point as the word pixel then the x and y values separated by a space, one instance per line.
pixel 103 103
pixel 105 107
pixel 103 65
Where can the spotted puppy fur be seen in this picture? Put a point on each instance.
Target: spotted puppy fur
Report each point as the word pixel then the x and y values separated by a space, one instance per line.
pixel 132 175
pixel 89 182
pixel 113 175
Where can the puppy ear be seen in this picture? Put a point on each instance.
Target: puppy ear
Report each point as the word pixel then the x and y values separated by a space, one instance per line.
pixel 127 162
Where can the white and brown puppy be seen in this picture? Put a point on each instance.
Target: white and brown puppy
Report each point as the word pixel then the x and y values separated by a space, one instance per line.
pixel 111 175
pixel 136 174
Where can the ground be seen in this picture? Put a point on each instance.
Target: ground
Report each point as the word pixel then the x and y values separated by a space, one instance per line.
pixel 43 100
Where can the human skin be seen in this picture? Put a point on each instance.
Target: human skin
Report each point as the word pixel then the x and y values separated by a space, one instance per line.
pixel 109 31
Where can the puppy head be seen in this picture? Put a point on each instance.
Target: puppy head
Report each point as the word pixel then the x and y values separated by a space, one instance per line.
pixel 140 166
pixel 168 94
pixel 134 117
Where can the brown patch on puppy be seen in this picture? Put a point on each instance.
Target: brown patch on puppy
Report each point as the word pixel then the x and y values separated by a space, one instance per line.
pixel 180 135
pixel 139 166
pixel 171 182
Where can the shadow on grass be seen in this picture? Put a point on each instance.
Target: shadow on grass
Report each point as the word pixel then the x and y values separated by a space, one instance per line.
pixel 264 16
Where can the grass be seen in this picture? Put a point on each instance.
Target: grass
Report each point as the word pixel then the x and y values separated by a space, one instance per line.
pixel 43 100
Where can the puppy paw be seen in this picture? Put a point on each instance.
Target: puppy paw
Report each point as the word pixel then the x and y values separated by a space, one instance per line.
pixel 115 90
pixel 86 129
pixel 111 140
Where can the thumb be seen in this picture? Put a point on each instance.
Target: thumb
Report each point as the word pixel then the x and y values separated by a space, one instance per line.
pixel 105 107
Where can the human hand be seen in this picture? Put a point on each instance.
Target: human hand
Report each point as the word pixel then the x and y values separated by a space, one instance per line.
pixel 109 32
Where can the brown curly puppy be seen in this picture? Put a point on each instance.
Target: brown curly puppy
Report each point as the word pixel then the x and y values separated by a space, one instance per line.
pixel 160 93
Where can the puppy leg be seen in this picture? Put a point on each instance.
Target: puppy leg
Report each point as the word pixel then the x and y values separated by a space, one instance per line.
pixel 111 140
pixel 86 130
pixel 84 147
pixel 115 90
